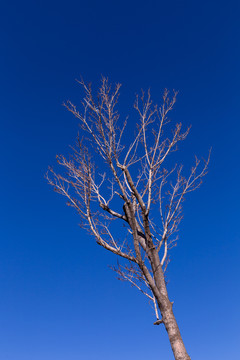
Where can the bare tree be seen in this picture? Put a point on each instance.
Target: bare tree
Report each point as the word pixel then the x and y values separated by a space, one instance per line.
pixel 130 184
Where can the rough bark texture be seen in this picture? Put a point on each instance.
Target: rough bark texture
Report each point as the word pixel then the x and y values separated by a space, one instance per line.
pixel 168 318
pixel 174 335
pixel 165 306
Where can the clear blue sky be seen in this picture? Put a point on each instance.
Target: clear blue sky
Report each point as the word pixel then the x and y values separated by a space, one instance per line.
pixel 56 302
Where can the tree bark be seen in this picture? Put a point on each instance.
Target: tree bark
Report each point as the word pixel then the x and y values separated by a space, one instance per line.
pixel 165 306
pixel 174 335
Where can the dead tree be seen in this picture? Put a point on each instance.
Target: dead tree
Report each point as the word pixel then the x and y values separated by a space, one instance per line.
pixel 130 183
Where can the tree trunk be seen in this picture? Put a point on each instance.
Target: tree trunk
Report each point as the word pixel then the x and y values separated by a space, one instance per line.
pixel 174 335
pixel 165 307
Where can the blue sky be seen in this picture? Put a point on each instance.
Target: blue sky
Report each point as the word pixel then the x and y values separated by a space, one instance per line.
pixel 56 302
